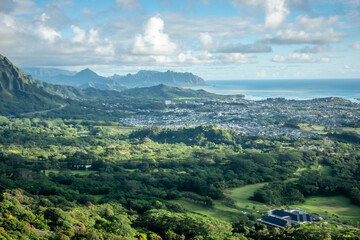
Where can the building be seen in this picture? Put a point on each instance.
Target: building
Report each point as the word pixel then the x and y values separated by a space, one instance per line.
pixel 279 218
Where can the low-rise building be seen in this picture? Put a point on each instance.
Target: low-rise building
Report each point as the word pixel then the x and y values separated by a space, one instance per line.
pixel 279 218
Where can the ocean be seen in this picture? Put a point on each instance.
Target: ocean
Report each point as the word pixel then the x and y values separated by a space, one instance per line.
pixel 289 89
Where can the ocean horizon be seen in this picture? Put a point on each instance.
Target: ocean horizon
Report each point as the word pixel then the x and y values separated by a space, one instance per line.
pixel 300 89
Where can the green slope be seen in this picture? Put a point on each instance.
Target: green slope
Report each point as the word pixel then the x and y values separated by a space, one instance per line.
pixel 166 92
pixel 19 94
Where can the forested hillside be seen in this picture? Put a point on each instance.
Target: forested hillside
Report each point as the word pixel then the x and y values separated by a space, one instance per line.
pixel 100 180
pixel 18 94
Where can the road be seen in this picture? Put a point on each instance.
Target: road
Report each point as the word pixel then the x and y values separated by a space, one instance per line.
pixel 39 112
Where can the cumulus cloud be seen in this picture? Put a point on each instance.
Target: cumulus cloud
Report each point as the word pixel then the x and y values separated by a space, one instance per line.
pixel 276 12
pixel 45 32
pixel 356 45
pixel 299 58
pixel 302 37
pixel 206 41
pixel 236 58
pixel 308 23
pixel 105 49
pixel 244 48
pixel 154 41
pixel 188 58
pixel 79 34
pixel 128 4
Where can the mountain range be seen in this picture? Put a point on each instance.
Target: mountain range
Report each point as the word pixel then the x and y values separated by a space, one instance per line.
pixel 88 78
pixel 21 93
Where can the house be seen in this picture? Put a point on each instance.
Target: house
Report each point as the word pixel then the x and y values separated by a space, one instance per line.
pixel 279 218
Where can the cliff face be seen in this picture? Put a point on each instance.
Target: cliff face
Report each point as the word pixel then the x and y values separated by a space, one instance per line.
pixel 11 77
pixel 19 94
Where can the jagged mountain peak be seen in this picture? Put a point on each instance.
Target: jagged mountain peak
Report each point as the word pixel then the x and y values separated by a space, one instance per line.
pixel 87 72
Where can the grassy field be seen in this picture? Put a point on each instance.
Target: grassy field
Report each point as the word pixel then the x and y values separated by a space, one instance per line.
pixel 312 128
pixel 243 205
pixel 218 211
pixel 333 207
pixel 241 197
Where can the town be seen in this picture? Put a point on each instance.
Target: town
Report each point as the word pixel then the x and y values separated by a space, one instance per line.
pixel 271 117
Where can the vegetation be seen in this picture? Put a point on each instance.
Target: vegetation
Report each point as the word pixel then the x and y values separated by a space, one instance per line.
pixel 83 178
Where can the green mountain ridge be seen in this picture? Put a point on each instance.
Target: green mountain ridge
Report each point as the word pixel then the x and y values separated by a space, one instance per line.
pixel 164 91
pixel 88 78
pixel 19 94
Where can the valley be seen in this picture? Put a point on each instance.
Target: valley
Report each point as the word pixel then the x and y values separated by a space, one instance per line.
pixel 78 163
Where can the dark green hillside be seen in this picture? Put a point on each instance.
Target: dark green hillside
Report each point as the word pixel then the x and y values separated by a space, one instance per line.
pixel 77 93
pixel 18 93
pixel 167 92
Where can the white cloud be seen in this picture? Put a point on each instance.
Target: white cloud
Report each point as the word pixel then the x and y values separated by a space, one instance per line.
pixel 47 33
pixel 308 23
pixel 244 48
pixel 128 4
pixel 206 41
pixel 315 49
pixel 7 6
pixel 105 49
pixel 24 7
pixel 299 58
pixel 93 36
pixel 276 12
pixel 8 31
pixel 302 37
pixel 356 45
pixel 154 41
pixel 79 34
pixel 188 58
pixel 43 31
pixel 236 58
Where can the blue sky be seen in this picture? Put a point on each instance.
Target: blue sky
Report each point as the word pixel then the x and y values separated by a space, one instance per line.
pixel 215 39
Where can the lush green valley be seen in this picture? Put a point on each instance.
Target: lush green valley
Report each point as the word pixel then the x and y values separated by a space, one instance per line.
pixel 83 179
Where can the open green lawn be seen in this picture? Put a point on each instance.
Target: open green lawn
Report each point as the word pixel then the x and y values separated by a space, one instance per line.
pixel 241 197
pixel 333 207
pixel 312 128
pixel 218 211
pixel 119 129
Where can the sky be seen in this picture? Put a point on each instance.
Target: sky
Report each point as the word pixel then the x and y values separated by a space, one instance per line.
pixel 214 39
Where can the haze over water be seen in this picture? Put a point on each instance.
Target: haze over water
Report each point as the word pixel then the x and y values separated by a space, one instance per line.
pixel 289 89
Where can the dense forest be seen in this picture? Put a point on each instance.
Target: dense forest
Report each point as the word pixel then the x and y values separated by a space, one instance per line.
pixel 83 179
